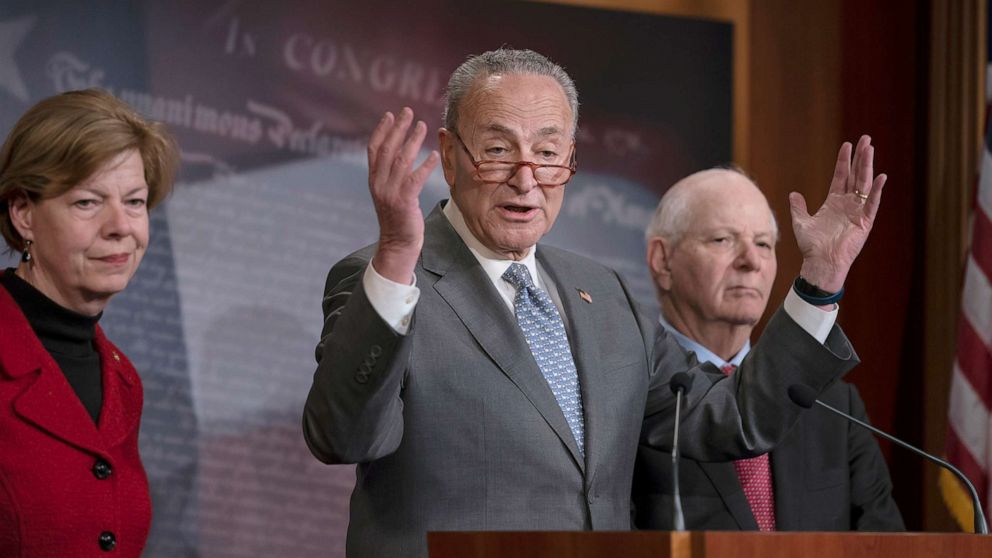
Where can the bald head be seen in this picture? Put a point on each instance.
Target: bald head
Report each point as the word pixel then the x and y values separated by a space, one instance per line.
pixel 705 190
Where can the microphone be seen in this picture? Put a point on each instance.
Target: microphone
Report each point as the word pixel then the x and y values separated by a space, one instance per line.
pixel 680 384
pixel 805 397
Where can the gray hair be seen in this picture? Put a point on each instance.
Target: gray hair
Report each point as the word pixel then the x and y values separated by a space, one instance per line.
pixel 671 217
pixel 503 61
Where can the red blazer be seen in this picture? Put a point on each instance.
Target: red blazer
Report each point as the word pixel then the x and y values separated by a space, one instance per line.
pixel 68 487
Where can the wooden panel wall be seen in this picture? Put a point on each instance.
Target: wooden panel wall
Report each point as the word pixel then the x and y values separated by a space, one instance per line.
pixel 819 73
pixel 955 112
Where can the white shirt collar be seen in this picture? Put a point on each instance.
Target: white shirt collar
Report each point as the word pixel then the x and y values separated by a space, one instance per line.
pixel 492 263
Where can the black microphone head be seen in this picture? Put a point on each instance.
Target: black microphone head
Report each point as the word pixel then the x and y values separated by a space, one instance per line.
pixel 680 381
pixel 801 395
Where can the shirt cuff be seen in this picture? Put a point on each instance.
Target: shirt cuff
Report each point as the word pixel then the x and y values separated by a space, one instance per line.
pixel 815 320
pixel 394 302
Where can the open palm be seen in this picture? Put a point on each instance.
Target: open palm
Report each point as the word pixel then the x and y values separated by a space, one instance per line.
pixel 831 239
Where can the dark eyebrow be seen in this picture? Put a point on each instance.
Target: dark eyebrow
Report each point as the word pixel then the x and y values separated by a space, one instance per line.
pixel 136 189
pixel 549 131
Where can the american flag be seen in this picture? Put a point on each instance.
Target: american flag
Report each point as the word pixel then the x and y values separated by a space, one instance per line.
pixel 969 431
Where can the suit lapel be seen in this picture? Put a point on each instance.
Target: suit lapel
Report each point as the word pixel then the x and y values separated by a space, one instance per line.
pixel 50 404
pixel 121 393
pixel 466 288
pixel 49 401
pixel 723 477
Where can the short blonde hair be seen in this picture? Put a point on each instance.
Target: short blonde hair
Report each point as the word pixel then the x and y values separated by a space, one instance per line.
pixel 64 139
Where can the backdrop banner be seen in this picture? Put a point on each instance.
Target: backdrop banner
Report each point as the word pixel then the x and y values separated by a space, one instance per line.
pixel 272 104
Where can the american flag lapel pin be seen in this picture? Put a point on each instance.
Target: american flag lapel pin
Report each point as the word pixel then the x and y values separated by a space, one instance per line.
pixel 584 296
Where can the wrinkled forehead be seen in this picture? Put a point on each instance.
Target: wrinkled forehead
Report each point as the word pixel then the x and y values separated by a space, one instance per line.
pixel 729 200
pixel 527 104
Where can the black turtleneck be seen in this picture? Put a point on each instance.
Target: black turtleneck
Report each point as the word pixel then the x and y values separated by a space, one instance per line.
pixel 66 335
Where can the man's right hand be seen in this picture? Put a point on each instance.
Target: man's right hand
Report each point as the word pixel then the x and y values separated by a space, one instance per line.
pixel 395 186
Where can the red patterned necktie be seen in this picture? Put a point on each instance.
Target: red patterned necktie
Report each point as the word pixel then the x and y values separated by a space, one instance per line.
pixel 755 475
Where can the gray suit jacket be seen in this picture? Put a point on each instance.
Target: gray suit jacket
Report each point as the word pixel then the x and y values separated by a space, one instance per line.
pixel 828 474
pixel 454 428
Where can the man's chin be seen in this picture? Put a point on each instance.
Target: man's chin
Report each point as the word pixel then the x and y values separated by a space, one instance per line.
pixel 517 241
pixel 749 318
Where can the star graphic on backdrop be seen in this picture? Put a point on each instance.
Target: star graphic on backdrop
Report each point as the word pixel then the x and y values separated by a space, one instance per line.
pixel 11 34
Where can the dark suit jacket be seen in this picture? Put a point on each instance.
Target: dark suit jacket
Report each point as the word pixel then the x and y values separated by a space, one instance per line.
pixel 453 426
pixel 51 501
pixel 829 475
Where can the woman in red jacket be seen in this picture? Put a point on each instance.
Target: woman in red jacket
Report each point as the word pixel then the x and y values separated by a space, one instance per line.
pixel 78 174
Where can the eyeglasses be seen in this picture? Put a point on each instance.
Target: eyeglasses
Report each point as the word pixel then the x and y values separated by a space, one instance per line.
pixel 497 172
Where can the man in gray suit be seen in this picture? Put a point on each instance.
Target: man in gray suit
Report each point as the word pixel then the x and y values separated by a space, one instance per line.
pixel 711 252
pixel 482 381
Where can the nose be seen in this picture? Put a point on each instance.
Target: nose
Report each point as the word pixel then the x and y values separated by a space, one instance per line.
pixel 523 179
pixel 748 257
pixel 116 223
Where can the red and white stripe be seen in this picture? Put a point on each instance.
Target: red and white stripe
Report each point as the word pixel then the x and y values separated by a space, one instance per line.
pixel 969 435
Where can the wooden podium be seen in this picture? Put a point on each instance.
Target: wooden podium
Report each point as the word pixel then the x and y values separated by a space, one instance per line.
pixel 703 544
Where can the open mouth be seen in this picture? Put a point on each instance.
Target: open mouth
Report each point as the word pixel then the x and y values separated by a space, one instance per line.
pixel 520 213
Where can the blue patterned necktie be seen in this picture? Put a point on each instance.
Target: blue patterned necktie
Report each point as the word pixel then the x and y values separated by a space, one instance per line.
pixel 541 324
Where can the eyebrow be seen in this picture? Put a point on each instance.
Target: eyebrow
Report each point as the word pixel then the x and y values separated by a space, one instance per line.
pixel 501 129
pixel 132 191
pixel 498 128
pixel 96 190
pixel 726 229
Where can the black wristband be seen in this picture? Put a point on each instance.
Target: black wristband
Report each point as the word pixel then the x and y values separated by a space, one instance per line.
pixel 815 295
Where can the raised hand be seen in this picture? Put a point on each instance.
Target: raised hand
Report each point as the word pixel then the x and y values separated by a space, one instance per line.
pixel 832 238
pixel 395 186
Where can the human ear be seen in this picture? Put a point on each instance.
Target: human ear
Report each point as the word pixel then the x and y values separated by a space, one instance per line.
pixel 21 211
pixel 449 151
pixel 659 262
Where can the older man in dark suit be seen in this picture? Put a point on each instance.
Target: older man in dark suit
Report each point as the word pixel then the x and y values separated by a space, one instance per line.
pixel 711 252
pixel 482 381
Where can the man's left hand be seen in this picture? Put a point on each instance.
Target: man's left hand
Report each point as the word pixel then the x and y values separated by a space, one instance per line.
pixel 832 238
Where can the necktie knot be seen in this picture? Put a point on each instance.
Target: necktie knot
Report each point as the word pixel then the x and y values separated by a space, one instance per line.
pixel 519 276
pixel 728 369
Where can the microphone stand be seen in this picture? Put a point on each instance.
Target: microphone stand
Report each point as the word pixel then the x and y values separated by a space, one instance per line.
pixel 804 396
pixel 676 496
pixel 680 384
pixel 980 525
